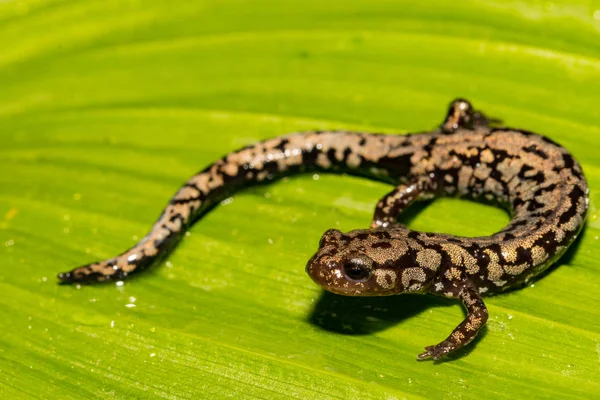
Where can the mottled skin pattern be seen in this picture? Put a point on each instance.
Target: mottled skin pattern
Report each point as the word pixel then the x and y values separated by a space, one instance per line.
pixel 537 180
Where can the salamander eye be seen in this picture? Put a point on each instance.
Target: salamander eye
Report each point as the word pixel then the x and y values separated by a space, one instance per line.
pixel 358 269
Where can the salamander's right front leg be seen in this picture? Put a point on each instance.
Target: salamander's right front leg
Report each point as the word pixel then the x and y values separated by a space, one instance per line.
pixel 463 334
pixel 462 115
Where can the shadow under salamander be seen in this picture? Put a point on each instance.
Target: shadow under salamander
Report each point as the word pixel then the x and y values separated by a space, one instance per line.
pixel 365 315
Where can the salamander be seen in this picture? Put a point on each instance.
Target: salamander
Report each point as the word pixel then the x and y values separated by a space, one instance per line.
pixel 539 182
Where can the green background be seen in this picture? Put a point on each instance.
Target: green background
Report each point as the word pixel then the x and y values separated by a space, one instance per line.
pixel 107 106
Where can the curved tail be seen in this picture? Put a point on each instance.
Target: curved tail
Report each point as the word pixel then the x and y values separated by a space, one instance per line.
pixel 355 153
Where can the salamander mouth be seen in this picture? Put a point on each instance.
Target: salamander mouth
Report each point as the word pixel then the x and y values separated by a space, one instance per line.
pixel 342 291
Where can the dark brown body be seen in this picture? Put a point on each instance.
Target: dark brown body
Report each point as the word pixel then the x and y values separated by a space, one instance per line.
pixel 536 179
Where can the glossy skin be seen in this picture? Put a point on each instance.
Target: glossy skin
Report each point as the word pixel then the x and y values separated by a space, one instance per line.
pixel 537 180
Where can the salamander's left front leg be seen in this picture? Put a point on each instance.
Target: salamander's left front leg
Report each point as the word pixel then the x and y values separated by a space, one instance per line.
pixel 464 333
pixel 395 202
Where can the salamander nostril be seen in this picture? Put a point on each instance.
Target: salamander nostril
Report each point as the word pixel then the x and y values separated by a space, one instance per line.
pixel 329 236
pixel 309 264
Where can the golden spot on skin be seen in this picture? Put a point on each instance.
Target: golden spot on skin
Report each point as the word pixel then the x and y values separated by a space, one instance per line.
pixel 560 249
pixel 493 186
pixel 559 234
pixel 107 271
pixel 381 255
pixel 191 207
pixel 323 161
pixel 471 152
pixel 98 267
pixel 258 163
pixel 509 250
pixel 262 175
pixel 482 172
pixel 386 278
pixel 458 336
pixel 453 274
pixel 422 167
pixel 128 268
pixel 572 224
pixel 515 269
pixel 230 169
pixel 292 158
pixel 413 244
pixel 429 258
pixel 353 160
pixel 495 271
pixel 509 253
pixel 283 166
pixel 418 156
pixel 149 249
pixel 487 156
pixel 460 257
pixel 400 151
pixel 454 252
pixel 200 181
pixel 538 255
pixel 412 274
pixel 468 299
pixel 546 198
pixel 509 168
pixel 446 163
pixel 216 182
pixel 339 153
pixel 464 178
pixel 175 226
pixel 187 192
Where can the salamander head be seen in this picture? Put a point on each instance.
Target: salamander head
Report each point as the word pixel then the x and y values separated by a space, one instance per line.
pixel 373 262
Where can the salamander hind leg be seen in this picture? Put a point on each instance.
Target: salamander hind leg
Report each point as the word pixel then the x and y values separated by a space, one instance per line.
pixel 464 333
pixel 395 202
pixel 462 115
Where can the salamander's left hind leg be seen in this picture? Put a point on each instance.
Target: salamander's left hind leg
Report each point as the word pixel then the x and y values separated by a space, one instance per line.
pixel 464 333
pixel 462 115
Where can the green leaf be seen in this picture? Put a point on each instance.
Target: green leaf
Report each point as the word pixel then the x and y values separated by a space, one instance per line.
pixel 107 106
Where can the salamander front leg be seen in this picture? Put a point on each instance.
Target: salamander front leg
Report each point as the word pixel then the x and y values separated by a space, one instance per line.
pixel 395 202
pixel 462 115
pixel 464 333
